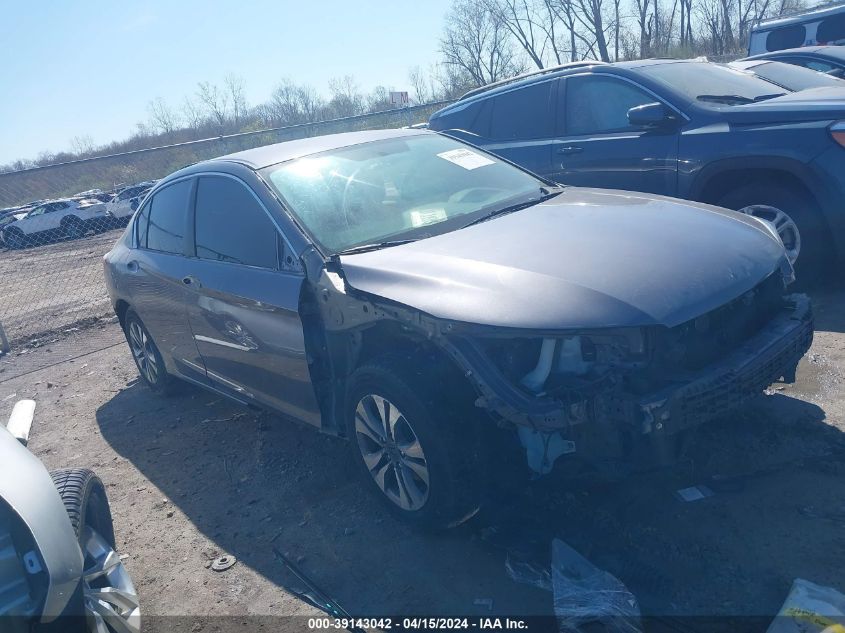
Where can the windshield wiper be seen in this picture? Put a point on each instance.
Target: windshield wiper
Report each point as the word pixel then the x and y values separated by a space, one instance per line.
pixel 547 192
pixel 738 99
pixel 365 248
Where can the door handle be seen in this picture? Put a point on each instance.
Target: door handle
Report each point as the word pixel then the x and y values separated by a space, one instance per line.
pixel 191 281
pixel 132 266
pixel 570 149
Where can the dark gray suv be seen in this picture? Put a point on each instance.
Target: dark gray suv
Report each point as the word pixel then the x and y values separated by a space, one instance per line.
pixel 444 309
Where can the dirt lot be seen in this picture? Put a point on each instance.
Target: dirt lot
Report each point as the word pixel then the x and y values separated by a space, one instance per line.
pixel 51 287
pixel 193 476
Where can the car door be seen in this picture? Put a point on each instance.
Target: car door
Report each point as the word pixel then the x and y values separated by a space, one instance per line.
pixel 154 274
pixel 243 300
pixel 597 147
pixel 519 126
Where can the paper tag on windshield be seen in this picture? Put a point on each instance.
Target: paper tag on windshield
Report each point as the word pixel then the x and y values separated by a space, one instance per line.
pixel 466 158
pixel 427 216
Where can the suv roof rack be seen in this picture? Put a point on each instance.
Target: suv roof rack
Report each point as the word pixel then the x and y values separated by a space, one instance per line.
pixel 534 73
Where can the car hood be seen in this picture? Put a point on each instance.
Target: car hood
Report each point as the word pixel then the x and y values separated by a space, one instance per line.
pixel 587 258
pixel 814 104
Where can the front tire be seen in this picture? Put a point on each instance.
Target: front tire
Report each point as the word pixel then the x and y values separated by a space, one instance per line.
pixel 416 449
pixel 74 228
pixel 147 358
pixel 767 197
pixel 109 597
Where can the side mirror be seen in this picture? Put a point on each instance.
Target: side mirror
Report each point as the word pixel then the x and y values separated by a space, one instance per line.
pixel 650 115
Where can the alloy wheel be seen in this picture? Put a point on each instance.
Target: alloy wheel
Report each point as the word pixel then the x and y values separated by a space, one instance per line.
pixel 392 452
pixel 143 350
pixel 111 602
pixel 784 225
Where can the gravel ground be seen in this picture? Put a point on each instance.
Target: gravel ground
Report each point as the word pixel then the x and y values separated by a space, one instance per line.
pixel 195 476
pixel 51 287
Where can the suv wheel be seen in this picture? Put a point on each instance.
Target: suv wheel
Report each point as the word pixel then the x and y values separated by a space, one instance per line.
pixel 796 218
pixel 414 450
pixel 110 599
pixel 74 228
pixel 147 357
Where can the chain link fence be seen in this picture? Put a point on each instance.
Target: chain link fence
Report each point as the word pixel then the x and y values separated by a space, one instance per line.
pixel 57 222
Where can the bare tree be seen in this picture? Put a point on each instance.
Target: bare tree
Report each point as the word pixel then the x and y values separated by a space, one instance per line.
pixel 162 117
pixel 477 42
pixel 524 20
pixel 192 114
pixel 82 145
pixel 215 101
pixel 379 100
pixel 591 17
pixel 234 87
pixel 419 85
pixel 346 97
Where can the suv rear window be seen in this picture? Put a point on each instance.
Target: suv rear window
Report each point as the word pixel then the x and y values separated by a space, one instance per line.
pixel 791 36
pixel 831 30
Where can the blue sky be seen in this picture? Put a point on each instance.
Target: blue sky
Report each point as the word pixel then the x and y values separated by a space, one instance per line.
pixel 90 67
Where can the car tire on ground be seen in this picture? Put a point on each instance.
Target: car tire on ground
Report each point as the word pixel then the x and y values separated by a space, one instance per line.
pixel 815 243
pixel 109 597
pixel 425 463
pixel 73 228
pixel 147 358
pixel 14 238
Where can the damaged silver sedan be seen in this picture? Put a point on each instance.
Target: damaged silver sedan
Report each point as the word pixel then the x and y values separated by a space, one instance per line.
pixel 450 313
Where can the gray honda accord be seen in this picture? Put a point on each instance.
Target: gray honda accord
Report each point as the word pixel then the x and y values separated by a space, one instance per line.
pixel 450 313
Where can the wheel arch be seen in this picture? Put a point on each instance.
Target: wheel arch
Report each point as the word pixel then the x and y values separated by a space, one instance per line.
pixel 714 180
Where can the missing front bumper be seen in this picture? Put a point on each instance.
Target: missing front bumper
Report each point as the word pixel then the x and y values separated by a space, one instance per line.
pixel 771 354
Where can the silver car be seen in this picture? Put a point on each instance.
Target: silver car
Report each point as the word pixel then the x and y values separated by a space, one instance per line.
pixel 58 566
pixel 447 311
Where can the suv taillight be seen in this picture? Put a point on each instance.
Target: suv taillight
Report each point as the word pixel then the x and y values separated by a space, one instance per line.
pixel 837 131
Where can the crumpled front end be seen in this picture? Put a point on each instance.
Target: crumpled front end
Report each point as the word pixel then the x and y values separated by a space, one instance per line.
pixel 597 393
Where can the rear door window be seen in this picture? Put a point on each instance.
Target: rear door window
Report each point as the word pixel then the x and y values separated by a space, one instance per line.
pixel 599 105
pixel 522 113
pixel 232 226
pixel 163 220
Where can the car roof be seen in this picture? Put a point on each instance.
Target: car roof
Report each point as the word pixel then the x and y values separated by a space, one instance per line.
pixel 261 157
pixel 558 71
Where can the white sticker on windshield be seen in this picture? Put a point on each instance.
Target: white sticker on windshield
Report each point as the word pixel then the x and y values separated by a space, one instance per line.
pixel 466 158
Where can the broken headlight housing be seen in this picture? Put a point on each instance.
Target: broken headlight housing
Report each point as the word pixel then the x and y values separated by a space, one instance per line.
pixel 566 361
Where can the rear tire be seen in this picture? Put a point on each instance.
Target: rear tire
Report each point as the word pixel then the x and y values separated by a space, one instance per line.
pixel 109 597
pixel 147 358
pixel 815 243
pixel 74 228
pixel 425 466
pixel 14 238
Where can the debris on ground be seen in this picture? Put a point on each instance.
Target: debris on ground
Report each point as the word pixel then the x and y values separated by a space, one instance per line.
pixel 810 608
pixel 693 493
pixel 584 594
pixel 222 563
pixel 528 572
